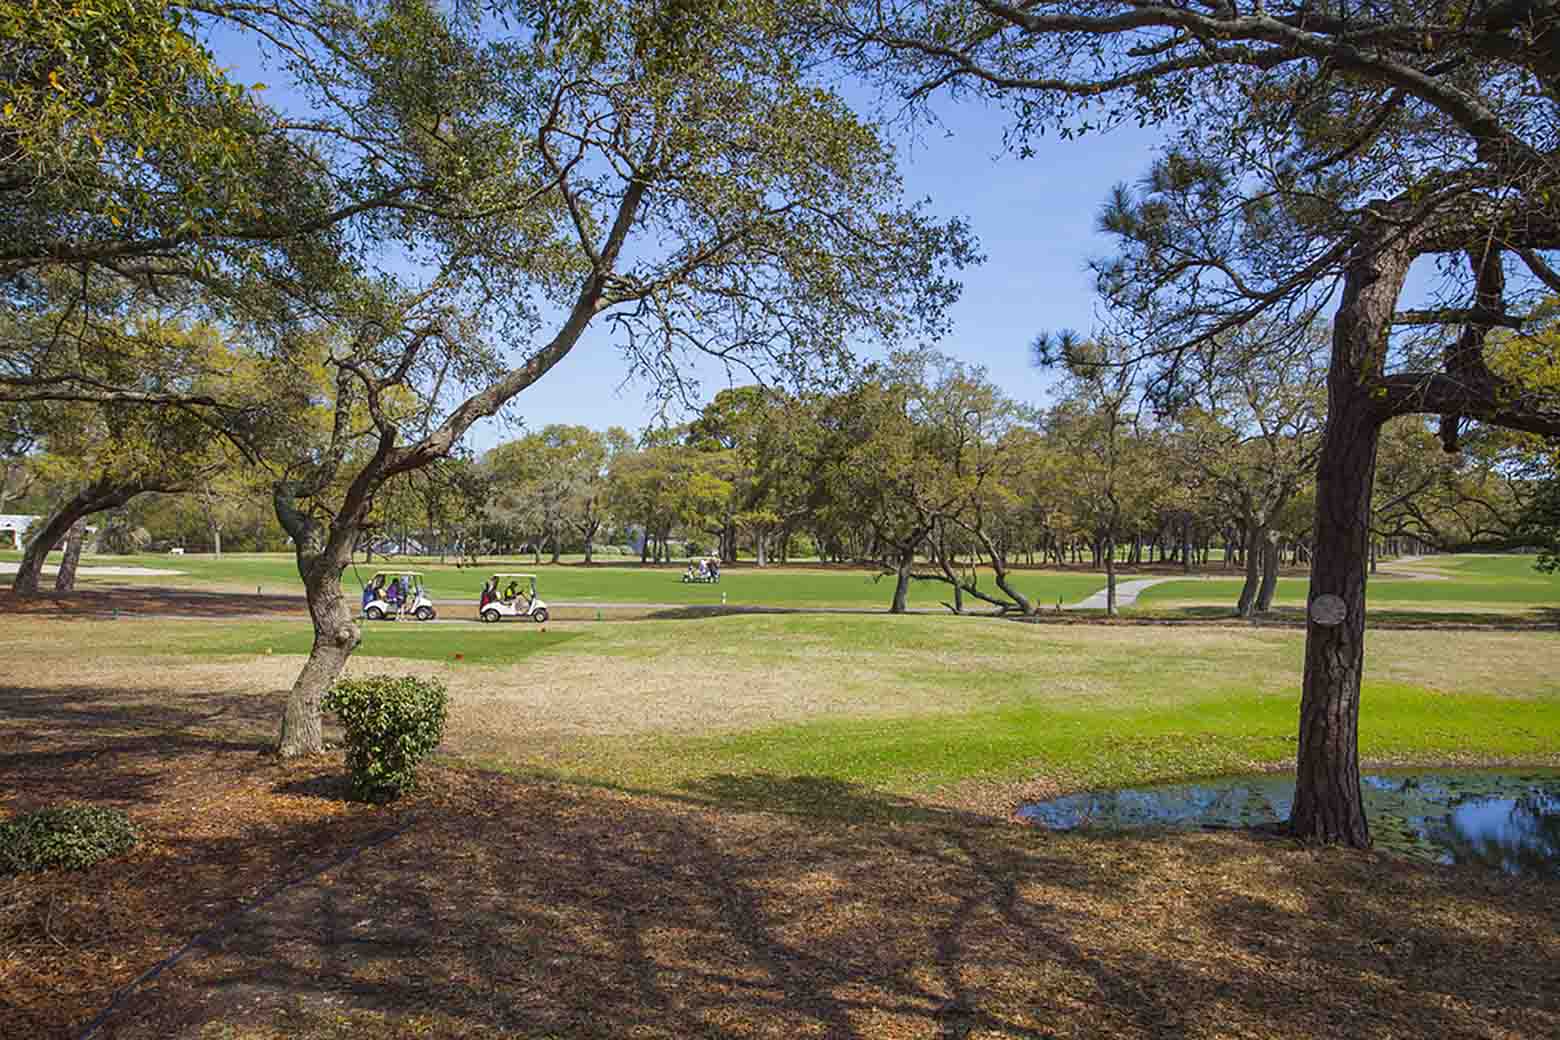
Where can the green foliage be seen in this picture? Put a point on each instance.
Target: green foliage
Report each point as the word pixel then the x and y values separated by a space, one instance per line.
pixel 120 125
pixel 68 837
pixel 1542 525
pixel 392 723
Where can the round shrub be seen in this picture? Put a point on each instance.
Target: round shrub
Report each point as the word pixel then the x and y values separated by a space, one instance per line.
pixel 66 836
pixel 391 722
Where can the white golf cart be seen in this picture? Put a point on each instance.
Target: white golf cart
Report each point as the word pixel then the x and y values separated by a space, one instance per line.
pixel 397 594
pixel 511 596
pixel 702 570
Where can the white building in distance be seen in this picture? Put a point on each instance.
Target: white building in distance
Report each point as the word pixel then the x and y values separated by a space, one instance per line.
pixel 12 526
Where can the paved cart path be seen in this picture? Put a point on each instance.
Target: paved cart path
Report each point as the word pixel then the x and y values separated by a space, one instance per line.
pixel 1126 593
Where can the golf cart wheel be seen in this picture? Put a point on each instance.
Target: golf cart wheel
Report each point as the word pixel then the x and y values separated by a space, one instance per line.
pixel 490 615
pixel 374 614
pixel 424 613
pixel 541 616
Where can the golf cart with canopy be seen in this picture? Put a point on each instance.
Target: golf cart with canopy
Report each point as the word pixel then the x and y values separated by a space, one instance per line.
pixel 702 570
pixel 395 594
pixel 511 596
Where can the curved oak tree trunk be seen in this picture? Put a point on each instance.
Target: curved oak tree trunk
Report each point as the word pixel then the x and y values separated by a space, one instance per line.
pixel 1255 535
pixel 336 635
pixel 94 498
pixel 1270 563
pixel 900 604
pixel 65 577
pixel 323 553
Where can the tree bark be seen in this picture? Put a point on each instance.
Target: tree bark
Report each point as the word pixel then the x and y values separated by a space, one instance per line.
pixel 1328 806
pixel 900 604
pixel 65 577
pixel 1256 534
pixel 1270 562
pixel 323 554
pixel 95 498
pixel 1110 577
pixel 336 635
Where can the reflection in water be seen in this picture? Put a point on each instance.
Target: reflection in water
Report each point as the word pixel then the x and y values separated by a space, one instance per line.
pixel 1502 818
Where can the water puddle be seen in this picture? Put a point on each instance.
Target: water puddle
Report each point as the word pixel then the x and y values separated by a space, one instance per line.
pixel 1507 819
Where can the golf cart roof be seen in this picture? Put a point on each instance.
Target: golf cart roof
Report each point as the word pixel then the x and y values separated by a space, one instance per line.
pixel 512 574
pixel 400 574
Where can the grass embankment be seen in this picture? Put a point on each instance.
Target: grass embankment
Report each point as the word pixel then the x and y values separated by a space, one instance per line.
pixel 956 709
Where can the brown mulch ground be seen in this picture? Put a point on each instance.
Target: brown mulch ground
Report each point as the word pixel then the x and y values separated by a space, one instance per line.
pixel 488 907
pixel 101 602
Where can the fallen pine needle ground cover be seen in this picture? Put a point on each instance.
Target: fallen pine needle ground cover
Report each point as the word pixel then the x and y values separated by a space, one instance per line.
pixel 483 907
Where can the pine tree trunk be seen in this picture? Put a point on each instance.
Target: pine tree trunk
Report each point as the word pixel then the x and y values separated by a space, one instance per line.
pixel 65 577
pixel 1328 806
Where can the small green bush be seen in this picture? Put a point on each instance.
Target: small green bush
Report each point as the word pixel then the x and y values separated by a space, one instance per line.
pixel 392 723
pixel 65 836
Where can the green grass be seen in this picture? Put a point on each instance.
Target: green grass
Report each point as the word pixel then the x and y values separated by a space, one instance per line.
pixel 476 644
pixel 1506 566
pixel 1000 703
pixel 277 573
pixel 1115 745
pixel 735 706
pixel 1505 581
pixel 1499 582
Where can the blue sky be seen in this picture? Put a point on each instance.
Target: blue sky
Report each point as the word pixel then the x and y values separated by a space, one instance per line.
pixel 1035 219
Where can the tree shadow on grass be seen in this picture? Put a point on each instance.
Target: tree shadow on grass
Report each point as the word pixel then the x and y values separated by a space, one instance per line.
pixel 546 910
pixel 819 796
pixel 116 746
